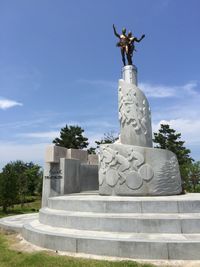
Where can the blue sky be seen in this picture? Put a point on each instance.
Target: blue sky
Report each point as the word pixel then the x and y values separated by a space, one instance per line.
pixel 59 64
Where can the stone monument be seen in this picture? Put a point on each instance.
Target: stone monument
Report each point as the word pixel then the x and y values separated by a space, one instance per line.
pixel 138 211
pixel 131 166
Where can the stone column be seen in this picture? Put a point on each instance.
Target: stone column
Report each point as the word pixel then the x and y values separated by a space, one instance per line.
pixel 129 74
pixel 134 111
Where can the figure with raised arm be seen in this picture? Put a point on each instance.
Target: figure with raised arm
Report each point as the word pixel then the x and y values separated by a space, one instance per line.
pixel 126 44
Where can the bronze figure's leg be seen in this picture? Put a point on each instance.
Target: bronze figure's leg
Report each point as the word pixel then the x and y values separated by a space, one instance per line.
pixel 129 58
pixel 123 56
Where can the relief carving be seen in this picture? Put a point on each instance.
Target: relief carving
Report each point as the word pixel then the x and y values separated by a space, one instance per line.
pixel 172 182
pixel 131 114
pixel 131 170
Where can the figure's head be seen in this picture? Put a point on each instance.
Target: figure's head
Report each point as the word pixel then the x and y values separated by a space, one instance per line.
pixel 124 31
pixel 129 34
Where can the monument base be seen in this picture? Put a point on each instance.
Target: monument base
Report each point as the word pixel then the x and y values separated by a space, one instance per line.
pixel 133 170
pixel 126 227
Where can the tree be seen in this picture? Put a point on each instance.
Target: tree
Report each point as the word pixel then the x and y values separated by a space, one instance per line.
pixel 109 138
pixel 8 187
pixel 168 138
pixel 71 137
pixel 18 180
pixel 34 175
pixel 192 181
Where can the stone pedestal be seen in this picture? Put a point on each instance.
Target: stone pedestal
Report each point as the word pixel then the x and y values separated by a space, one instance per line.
pixel 132 166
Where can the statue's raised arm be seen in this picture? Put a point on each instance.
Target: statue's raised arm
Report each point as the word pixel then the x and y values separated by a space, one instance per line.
pixel 115 32
pixel 138 40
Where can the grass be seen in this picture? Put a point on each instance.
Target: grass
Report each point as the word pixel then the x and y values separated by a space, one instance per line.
pixel 9 257
pixel 28 208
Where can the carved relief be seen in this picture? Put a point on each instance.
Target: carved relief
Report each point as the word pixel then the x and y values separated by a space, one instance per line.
pixel 134 114
pixel 130 170
pixel 172 182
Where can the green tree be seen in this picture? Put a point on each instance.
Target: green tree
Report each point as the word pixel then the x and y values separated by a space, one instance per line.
pixel 19 167
pixel 92 150
pixel 192 181
pixel 23 178
pixel 109 138
pixel 71 137
pixel 168 138
pixel 8 187
pixel 33 175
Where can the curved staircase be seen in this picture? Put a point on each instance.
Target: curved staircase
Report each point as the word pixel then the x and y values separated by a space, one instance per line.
pixel 128 227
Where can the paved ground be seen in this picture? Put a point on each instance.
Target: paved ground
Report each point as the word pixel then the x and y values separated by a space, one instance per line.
pixel 16 222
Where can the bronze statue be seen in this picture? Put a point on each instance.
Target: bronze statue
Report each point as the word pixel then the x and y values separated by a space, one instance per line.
pixel 126 44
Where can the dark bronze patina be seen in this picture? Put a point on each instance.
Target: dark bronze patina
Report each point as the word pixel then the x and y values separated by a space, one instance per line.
pixel 126 44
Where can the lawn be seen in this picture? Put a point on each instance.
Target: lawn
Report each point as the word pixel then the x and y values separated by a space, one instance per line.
pixel 9 257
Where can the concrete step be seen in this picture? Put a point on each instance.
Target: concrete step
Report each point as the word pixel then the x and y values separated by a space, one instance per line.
pixel 122 222
pixel 188 203
pixel 137 245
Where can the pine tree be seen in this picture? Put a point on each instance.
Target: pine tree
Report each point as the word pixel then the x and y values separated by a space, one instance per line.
pixel 71 137
pixel 168 138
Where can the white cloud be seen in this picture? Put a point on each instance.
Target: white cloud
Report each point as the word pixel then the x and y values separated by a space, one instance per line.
pixel 161 91
pixel 46 135
pixel 7 103
pixel 189 129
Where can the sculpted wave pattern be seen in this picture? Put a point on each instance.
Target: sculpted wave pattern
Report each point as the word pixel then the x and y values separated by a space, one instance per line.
pixel 131 170
pixel 172 182
pixel 131 114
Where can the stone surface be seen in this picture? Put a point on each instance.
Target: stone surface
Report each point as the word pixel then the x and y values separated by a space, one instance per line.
pixel 68 171
pixel 53 182
pixel 134 170
pixel 79 154
pixel 54 153
pixel 127 227
pixel 93 159
pixel 129 74
pixel 131 166
pixel 88 177
pixel 134 116
pixel 16 223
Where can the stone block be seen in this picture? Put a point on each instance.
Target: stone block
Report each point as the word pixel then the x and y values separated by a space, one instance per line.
pixel 89 177
pixel 71 174
pixel 93 159
pixel 79 154
pixel 53 182
pixel 54 153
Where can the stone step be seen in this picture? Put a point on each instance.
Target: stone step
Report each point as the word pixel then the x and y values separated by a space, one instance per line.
pixel 137 245
pixel 188 203
pixel 122 222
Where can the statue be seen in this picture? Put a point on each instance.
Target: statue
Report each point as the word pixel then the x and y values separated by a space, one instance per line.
pixel 126 44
